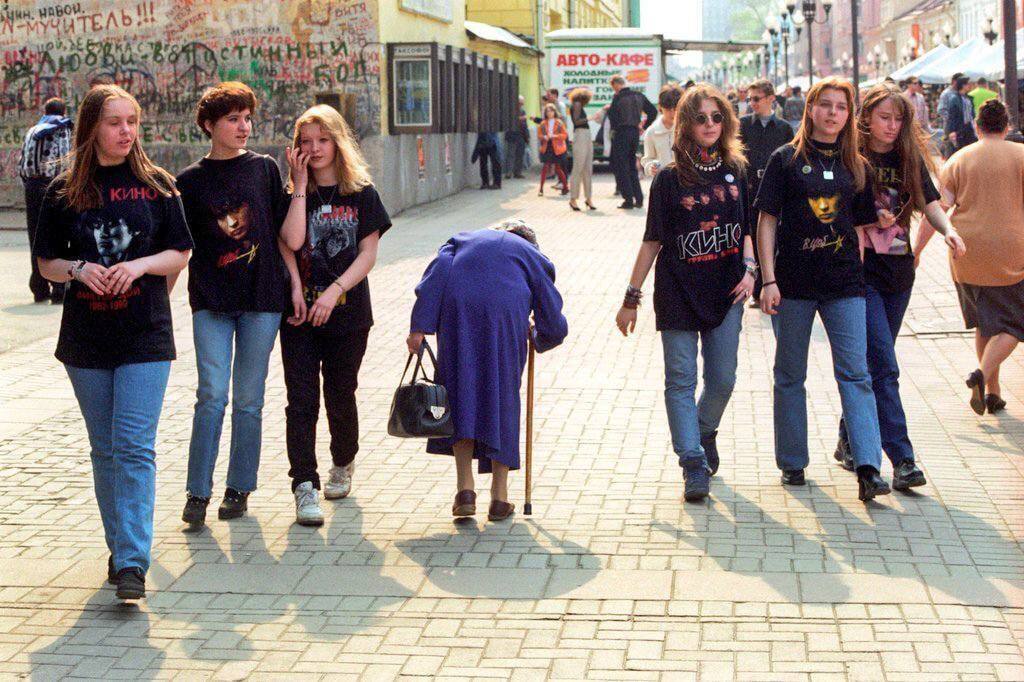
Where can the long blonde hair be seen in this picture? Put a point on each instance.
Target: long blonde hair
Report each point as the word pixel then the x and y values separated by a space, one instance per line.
pixel 349 165
pixel 849 143
pixel 729 146
pixel 80 189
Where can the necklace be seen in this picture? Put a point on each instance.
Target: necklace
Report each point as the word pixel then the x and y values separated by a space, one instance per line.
pixel 325 206
pixel 827 153
pixel 710 160
pixel 828 174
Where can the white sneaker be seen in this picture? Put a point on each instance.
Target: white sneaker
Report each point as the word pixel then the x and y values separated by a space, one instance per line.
pixel 340 483
pixel 307 505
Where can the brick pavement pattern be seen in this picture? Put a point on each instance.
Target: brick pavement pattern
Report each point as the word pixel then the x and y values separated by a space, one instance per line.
pixel 614 577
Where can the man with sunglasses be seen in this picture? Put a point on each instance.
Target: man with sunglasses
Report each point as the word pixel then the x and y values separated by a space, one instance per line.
pixel 761 132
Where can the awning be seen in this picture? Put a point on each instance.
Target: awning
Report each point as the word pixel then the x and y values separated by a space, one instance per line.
pixel 922 7
pixel 915 67
pixel 967 59
pixel 497 34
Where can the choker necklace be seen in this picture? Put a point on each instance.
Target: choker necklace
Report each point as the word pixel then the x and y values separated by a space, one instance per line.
pixel 827 153
pixel 710 159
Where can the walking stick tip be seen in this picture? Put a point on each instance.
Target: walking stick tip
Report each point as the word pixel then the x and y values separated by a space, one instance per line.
pixel 528 509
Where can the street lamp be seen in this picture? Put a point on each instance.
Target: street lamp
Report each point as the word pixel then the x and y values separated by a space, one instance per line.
pixel 947 31
pixel 810 12
pixel 772 26
pixel 990 35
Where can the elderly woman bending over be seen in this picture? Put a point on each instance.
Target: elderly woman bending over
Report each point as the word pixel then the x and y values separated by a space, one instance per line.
pixel 477 296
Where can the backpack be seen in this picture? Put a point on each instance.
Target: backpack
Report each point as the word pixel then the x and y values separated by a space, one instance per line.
pixel 46 145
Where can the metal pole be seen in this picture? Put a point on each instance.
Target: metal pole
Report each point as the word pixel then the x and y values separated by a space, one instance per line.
pixel 785 54
pixel 856 53
pixel 810 56
pixel 1010 63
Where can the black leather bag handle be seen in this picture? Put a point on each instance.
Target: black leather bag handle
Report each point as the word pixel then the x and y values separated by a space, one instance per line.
pixel 418 369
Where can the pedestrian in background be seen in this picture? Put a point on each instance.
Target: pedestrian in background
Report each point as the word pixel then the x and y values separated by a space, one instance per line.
pixel 515 143
pixel 793 109
pixel 582 149
pixel 762 132
pixel 984 183
pixel 486 151
pixel 658 138
pixel 43 154
pixel 626 114
pixel 696 229
pixel 238 289
pixel 981 94
pixel 814 201
pixel 338 209
pixel 900 157
pixel 477 296
pixel 112 225
pixel 959 126
pixel 942 109
pixel 915 94
pixel 552 135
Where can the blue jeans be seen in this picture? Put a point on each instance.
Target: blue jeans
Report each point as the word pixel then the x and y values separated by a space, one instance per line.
pixel 121 408
pixel 690 420
pixel 844 323
pixel 884 318
pixel 251 336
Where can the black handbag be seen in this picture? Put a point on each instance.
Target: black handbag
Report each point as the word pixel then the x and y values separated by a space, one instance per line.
pixel 420 408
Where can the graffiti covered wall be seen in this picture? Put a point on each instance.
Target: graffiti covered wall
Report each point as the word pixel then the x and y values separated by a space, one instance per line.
pixel 166 52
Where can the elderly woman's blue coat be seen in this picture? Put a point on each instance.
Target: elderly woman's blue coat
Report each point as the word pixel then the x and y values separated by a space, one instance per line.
pixel 477 296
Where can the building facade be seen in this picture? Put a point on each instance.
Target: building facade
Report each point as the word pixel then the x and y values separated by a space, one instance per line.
pixel 403 72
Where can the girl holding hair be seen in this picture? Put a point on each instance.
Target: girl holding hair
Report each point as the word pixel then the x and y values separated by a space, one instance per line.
pixel 582 149
pixel 116 339
pixel 814 201
pixel 704 271
pixel 892 141
pixel 552 134
pixel 336 206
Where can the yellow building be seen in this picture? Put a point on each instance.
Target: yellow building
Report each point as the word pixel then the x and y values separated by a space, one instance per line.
pixel 520 16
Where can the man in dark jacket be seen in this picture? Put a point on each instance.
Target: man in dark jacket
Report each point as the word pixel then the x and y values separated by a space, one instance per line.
pixel 959 128
pixel 761 132
pixel 487 149
pixel 626 116
pixel 515 142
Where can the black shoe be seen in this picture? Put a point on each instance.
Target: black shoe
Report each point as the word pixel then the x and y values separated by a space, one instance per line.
pixel 131 583
pixel 906 475
pixel 793 477
pixel 994 403
pixel 638 204
pixel 626 204
pixel 710 451
pixel 497 186
pixel 234 505
pixel 698 483
pixel 518 175
pixel 111 573
pixel 843 454
pixel 870 484
pixel 485 186
pixel 195 510
pixel 41 298
pixel 976 382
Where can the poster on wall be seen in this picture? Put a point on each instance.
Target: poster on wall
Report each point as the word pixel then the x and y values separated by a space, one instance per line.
pixel 438 9
pixel 574 65
pixel 421 157
pixel 448 154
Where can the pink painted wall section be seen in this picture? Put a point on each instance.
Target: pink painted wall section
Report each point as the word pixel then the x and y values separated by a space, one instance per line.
pixel 166 52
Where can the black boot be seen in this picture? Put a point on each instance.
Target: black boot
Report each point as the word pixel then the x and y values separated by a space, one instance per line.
pixel 870 484
pixel 195 510
pixel 793 477
pixel 906 475
pixel 843 454
pixel 131 583
pixel 234 505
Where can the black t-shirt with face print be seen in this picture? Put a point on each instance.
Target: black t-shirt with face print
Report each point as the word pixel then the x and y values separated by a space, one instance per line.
pixel 335 224
pixel 235 208
pixel 816 203
pixel 134 221
pixel 700 229
pixel 892 270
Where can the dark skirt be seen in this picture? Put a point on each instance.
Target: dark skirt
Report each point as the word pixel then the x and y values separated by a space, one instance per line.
pixel 550 156
pixel 993 310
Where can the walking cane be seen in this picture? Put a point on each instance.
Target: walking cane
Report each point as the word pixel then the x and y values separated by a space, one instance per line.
pixel 527 506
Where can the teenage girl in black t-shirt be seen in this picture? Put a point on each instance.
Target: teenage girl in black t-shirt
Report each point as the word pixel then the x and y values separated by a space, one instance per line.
pixel 892 141
pixel 112 225
pixel 814 201
pixel 334 201
pixel 705 270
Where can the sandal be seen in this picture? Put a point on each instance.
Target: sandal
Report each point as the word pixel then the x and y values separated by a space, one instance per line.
pixel 465 503
pixel 499 511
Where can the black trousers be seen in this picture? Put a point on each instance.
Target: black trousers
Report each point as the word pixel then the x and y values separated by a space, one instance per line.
pixel 306 353
pixel 517 147
pixel 485 177
pixel 34 190
pixel 623 159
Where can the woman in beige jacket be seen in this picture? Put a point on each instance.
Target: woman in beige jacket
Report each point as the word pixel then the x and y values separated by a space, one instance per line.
pixel 582 148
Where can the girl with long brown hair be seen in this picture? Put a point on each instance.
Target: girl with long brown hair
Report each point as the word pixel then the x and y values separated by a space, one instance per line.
pixel 112 225
pixel 814 201
pixel 335 204
pixel 696 231
pixel 892 141
pixel 552 135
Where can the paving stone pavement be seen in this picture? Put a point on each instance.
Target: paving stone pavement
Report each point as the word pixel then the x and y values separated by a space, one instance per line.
pixel 613 577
